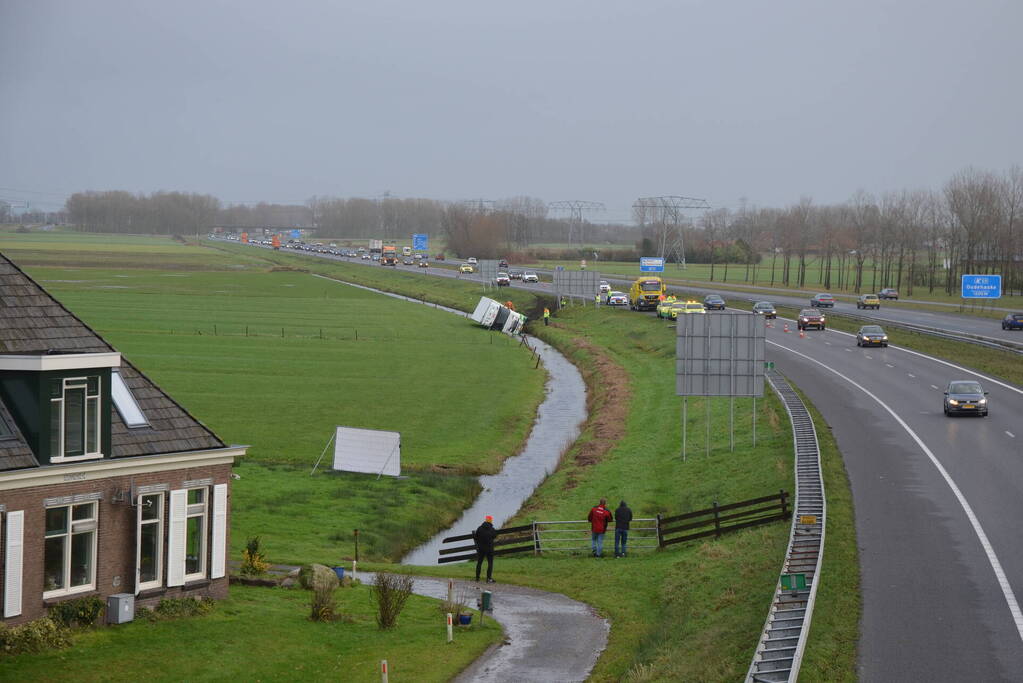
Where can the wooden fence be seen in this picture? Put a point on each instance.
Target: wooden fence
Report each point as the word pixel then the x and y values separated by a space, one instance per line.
pixel 712 521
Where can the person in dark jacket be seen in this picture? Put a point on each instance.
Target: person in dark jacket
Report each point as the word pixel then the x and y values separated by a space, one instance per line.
pixel 623 515
pixel 484 537
pixel 598 518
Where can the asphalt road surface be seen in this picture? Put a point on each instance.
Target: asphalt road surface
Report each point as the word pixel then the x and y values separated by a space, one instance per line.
pixel 938 505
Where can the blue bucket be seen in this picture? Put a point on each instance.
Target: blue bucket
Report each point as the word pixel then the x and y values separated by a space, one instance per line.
pixel 340 571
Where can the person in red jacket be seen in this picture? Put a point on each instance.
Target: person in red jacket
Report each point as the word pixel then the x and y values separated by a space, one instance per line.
pixel 599 518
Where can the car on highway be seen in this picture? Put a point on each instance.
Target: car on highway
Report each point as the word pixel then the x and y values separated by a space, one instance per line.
pixel 472 260
pixel 617 299
pixel 869 301
pixel 889 293
pixel 424 264
pixel 765 308
pixel 663 308
pixel 1013 321
pixel 685 308
pixel 530 276
pixel 465 268
pixel 407 261
pixel 438 257
pixel 965 397
pixel 822 301
pixel 871 335
pixel 503 263
pixel 811 317
pixel 502 280
pixel 515 274
pixel 366 257
pixel 713 302
pixel 604 287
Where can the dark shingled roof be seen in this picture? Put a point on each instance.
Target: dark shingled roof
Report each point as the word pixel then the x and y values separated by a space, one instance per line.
pixel 32 321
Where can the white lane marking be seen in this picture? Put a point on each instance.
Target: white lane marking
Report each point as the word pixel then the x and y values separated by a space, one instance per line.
pixel 868 357
pixel 828 343
pixel 849 350
pixel 992 558
pixel 910 374
pixel 933 386
pixel 1011 435
pixel 889 365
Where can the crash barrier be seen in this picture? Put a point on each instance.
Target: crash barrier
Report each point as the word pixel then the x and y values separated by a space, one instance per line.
pixel 644 533
pixel 720 519
pixel 780 650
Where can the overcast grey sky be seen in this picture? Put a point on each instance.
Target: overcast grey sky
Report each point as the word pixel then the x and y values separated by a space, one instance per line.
pixel 566 99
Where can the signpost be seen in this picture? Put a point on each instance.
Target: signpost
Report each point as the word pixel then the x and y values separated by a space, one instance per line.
pixel 982 286
pixel 420 242
pixel 651 264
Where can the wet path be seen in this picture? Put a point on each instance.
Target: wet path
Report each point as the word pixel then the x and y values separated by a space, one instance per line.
pixel 548 637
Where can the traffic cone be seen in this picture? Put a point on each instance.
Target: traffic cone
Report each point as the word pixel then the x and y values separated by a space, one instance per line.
pixel 786 330
pixel 802 334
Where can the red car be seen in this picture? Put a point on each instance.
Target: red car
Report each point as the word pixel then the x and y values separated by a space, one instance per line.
pixel 810 317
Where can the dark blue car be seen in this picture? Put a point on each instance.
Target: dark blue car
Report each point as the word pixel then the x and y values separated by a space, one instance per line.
pixel 1013 321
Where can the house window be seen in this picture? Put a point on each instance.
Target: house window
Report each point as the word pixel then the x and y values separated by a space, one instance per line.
pixel 75 419
pixel 195 535
pixel 150 540
pixel 69 556
pixel 124 401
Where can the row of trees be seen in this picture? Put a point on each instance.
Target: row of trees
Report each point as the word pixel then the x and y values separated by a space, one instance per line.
pixel 901 239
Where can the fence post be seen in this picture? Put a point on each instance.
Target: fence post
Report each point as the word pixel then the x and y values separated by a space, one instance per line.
pixel 784 506
pixel 717 521
pixel 536 539
pixel 660 539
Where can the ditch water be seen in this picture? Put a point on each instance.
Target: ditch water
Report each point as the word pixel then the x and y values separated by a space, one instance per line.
pixel 556 427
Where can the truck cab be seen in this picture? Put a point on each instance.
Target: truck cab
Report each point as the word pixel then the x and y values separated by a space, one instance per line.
pixel 646 293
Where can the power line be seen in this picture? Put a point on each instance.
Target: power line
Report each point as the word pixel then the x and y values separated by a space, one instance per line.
pixel 575 209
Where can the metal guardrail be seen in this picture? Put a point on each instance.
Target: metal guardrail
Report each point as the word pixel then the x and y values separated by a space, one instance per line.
pixel 780 651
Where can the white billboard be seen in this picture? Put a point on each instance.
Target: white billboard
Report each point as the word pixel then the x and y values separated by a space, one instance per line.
pixel 367 450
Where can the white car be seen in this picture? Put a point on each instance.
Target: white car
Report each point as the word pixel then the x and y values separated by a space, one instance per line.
pixel 530 276
pixel 604 287
pixel 502 280
pixel 617 299
pixel 471 259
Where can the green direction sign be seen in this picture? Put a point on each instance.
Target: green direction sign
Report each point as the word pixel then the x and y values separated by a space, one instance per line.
pixel 768 365
pixel 793 582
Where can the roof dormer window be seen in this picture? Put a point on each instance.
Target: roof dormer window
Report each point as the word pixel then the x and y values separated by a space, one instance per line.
pixel 127 407
pixel 5 430
pixel 75 418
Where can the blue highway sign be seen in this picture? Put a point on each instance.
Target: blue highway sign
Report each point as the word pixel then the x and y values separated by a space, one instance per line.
pixel 420 242
pixel 982 286
pixel 649 264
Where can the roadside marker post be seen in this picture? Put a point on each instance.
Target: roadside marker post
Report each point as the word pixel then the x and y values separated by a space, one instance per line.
pixel 383 671
pixel 451 636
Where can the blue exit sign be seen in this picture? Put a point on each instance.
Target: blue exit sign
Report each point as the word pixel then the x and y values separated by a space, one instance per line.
pixel 982 286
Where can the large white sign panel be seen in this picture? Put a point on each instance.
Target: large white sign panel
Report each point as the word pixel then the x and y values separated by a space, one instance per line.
pixel 720 354
pixel 367 450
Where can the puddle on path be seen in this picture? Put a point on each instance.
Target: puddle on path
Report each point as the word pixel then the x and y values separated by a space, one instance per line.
pixel 557 425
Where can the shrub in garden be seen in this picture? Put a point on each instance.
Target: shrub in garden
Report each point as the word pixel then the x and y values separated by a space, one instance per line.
pixel 253 560
pixel 175 608
pixel 391 592
pixel 83 611
pixel 35 636
pixel 324 605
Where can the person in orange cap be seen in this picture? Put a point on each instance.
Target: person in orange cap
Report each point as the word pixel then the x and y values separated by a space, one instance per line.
pixel 484 537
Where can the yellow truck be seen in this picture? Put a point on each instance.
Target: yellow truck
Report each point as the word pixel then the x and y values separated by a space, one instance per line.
pixel 646 293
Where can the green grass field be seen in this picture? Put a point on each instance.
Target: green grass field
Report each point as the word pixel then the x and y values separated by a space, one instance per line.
pixel 262 634
pixel 689 613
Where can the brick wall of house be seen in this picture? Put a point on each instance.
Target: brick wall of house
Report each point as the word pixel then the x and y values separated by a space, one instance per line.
pixel 115 552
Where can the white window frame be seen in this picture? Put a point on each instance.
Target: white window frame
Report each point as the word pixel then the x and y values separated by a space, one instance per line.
pixel 139 523
pixel 200 510
pixel 75 527
pixel 94 400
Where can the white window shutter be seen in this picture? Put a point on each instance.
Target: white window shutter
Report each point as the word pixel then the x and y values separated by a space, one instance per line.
pixel 176 537
pixel 138 543
pixel 219 531
pixel 14 552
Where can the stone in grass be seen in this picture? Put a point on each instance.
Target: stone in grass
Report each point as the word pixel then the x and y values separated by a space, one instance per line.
pixel 317 574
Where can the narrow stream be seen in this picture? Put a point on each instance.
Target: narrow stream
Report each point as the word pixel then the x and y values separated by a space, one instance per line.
pixel 557 425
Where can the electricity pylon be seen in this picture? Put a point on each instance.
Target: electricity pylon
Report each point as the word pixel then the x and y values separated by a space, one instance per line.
pixel 575 208
pixel 667 212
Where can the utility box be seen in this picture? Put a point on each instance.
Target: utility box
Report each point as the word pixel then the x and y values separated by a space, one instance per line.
pixel 487 603
pixel 120 608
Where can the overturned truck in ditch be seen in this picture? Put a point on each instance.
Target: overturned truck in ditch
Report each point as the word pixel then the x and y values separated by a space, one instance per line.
pixel 496 316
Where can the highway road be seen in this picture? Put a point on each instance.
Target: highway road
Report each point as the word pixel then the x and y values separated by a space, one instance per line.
pixel 938 503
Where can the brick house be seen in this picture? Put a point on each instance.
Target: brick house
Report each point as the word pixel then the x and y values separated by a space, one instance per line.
pixel 106 484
